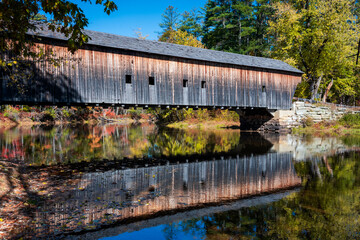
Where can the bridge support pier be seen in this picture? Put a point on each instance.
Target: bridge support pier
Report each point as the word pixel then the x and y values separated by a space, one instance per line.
pixel 259 119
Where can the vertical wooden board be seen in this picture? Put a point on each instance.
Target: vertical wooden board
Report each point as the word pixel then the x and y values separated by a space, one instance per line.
pixel 102 77
pixel 215 83
pixel 178 82
pixel 185 90
pixel 271 93
pixel 105 78
pixel 78 73
pixel 266 80
pixel 144 79
pixel 135 81
pixel 113 70
pixel 175 81
pixel 231 93
pixel 256 88
pixel 138 67
pixel 111 73
pixel 223 85
pixel 225 89
pixel 212 70
pixel 127 71
pixel 163 87
pixel 96 83
pixel 119 77
pixel 240 91
pixel 201 72
pixel 225 80
pixel 275 90
pixel 148 98
pixel 168 83
pixel 191 88
pixel 191 84
pixel 208 84
pixel 278 90
pixel 218 85
pixel 58 95
pixel 271 90
pixel 124 71
pixel 199 80
pixel 250 86
pixel 233 87
pixel 244 87
pixel 197 83
pixel 88 76
pixel 80 86
pixel 92 77
pixel 159 77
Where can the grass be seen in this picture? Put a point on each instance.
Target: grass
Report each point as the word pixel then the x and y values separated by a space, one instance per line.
pixel 349 124
pixel 206 124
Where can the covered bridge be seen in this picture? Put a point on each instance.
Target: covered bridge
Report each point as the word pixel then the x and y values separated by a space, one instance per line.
pixel 124 71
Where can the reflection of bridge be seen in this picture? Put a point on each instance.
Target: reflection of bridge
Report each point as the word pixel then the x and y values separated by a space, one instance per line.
pixel 133 194
pixel 182 216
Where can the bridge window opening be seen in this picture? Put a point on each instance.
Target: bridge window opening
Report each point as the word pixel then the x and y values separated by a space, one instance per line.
pixel 128 79
pixel 203 84
pixel 185 83
pixel 151 81
pixel 263 89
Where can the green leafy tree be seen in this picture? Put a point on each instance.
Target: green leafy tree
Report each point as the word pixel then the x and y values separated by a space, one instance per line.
pixel 318 37
pixel 180 37
pixel 16 19
pixel 17 50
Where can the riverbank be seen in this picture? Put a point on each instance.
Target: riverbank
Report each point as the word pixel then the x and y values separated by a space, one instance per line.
pixel 12 116
pixel 207 125
pixel 349 124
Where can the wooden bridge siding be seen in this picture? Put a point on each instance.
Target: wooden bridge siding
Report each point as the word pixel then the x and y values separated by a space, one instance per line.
pixel 100 78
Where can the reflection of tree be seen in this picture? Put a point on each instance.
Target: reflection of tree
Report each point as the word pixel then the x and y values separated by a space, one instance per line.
pixel 327 209
pixel 69 144
pixel 181 143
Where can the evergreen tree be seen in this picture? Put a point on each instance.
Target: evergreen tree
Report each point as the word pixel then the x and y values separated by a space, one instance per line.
pixel 237 26
pixel 191 22
pixel 170 19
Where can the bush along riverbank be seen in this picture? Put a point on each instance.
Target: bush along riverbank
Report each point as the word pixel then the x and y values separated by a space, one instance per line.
pixel 200 118
pixel 50 115
pixel 346 125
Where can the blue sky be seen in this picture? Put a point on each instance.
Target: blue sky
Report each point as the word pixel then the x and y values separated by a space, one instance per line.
pixel 134 14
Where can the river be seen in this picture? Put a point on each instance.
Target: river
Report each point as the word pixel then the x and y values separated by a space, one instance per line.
pixel 140 182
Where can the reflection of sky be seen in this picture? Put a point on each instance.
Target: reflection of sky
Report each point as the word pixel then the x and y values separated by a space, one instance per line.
pixel 162 232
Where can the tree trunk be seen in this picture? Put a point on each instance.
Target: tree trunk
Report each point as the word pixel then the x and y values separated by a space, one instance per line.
pixel 328 90
pixel 239 37
pixel 315 87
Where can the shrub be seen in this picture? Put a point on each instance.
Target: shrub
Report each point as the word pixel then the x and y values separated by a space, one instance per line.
pixel 134 114
pixel 307 122
pixel 350 119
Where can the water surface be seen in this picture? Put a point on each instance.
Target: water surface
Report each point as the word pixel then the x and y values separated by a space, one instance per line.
pixel 127 182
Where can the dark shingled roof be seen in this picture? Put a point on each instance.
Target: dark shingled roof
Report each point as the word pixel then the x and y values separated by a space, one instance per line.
pixel 173 50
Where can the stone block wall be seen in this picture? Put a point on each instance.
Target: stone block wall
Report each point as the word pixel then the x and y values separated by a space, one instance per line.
pixel 285 120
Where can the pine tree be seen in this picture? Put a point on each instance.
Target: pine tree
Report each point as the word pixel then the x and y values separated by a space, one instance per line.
pixel 170 19
pixel 237 26
pixel 191 22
